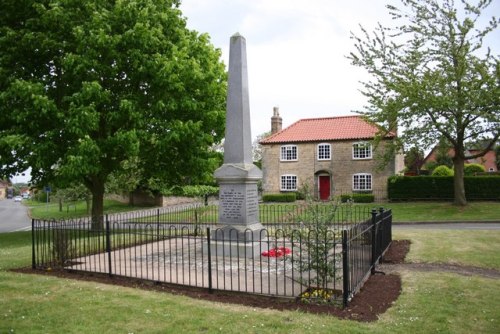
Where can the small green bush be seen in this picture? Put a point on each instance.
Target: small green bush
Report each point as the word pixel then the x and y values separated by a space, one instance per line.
pixel 192 191
pixel 471 169
pixel 442 171
pixel 358 198
pixel 284 197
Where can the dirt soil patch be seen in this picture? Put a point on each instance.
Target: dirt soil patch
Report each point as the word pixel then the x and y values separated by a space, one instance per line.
pixel 370 302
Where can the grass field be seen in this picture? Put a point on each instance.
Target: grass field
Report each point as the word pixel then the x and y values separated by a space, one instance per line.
pixel 444 211
pixel 402 211
pixel 431 302
pixel 74 209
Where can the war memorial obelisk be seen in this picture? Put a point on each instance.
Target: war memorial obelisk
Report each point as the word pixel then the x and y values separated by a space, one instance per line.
pixel 240 229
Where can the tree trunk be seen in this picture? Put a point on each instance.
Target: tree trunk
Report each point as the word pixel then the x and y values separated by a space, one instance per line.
pixel 97 204
pixel 458 181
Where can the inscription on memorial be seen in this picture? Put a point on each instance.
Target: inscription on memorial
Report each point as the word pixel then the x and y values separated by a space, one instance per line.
pixel 252 203
pixel 231 203
pixel 239 204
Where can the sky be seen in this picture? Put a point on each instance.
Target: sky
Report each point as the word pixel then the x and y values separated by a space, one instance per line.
pixel 296 52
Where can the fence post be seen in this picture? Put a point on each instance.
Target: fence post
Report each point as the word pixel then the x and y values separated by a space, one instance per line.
pixel 345 268
pixel 209 253
pixel 108 246
pixel 374 239
pixel 158 224
pixel 381 242
pixel 33 254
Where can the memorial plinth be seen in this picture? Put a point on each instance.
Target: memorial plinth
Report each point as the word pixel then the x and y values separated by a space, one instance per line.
pixel 240 230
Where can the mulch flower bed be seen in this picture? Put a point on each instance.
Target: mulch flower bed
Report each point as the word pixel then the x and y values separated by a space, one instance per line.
pixel 376 296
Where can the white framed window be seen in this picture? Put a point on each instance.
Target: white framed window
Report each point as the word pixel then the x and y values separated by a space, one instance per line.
pixel 324 151
pixel 288 182
pixel 491 169
pixel 288 153
pixel 362 150
pixel 362 181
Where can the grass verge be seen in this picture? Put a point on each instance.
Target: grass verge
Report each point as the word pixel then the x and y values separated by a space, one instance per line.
pixel 431 302
pixel 461 247
pixel 444 211
pixel 76 209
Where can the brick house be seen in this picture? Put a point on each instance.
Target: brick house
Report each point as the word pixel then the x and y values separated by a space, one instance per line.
pixel 332 155
pixel 488 160
pixel 3 189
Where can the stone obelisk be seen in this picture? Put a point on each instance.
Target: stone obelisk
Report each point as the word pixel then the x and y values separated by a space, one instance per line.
pixel 238 176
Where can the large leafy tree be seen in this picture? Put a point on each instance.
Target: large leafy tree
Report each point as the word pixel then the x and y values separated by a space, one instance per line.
pixel 89 87
pixel 432 76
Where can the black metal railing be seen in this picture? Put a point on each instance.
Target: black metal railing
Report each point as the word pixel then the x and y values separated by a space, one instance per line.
pixel 288 258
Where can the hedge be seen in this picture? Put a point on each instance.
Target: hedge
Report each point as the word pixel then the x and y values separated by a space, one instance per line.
pixel 441 187
pixel 358 198
pixel 285 197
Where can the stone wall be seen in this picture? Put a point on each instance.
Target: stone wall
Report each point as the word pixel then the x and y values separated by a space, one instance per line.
pixel 140 198
pixel 341 168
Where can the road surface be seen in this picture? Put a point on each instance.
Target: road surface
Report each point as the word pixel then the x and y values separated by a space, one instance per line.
pixel 13 216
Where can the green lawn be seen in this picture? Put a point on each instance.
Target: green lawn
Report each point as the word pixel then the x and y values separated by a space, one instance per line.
pixel 74 209
pixel 402 211
pixel 462 247
pixel 431 302
pixel 444 211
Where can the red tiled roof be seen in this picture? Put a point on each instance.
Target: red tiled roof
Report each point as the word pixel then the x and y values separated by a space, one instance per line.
pixel 325 129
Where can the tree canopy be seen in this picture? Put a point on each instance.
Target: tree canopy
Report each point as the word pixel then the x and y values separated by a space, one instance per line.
pixel 432 76
pixel 90 88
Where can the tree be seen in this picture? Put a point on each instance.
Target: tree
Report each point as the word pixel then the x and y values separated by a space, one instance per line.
pixel 87 85
pixel 414 159
pixel 443 153
pixel 432 77
pixel 257 148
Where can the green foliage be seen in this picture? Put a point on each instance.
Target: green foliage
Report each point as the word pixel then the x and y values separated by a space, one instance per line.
pixel 193 191
pixel 471 169
pixel 41 196
pixel 96 89
pixel 441 187
pixel 442 170
pixel 283 197
pixel 431 74
pixel 497 155
pixel 430 166
pixel 443 153
pixel 357 198
pixel 414 159
pixel 317 242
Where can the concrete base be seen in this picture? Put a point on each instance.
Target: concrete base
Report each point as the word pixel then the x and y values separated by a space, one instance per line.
pixel 249 250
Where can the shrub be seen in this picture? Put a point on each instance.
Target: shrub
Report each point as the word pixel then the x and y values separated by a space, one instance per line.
pixel 317 256
pixel 471 169
pixel 358 198
pixel 442 171
pixel 441 187
pixel 284 197
pixel 192 191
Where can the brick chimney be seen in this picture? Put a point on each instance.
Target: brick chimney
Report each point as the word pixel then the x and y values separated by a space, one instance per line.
pixel 276 121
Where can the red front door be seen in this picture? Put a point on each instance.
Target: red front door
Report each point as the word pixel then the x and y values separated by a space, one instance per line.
pixel 324 187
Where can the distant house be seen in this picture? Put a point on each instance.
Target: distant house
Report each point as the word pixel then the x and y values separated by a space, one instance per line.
pixel 332 155
pixel 4 185
pixel 488 160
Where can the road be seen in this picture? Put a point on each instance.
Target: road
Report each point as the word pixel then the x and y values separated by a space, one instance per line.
pixel 13 216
